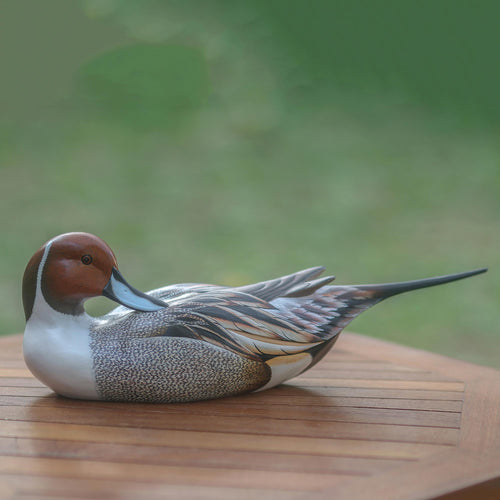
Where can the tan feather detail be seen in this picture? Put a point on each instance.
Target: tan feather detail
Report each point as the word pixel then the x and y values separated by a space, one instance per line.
pixel 281 334
pixel 274 347
pixel 281 342
pixel 286 367
pixel 287 360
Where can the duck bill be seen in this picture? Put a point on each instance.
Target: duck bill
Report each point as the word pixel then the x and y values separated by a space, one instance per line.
pixel 120 291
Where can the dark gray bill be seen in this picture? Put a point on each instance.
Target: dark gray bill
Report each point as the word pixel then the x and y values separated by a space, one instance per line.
pixel 120 291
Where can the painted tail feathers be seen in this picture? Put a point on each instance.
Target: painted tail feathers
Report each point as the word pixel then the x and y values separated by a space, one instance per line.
pixel 389 289
pixel 329 309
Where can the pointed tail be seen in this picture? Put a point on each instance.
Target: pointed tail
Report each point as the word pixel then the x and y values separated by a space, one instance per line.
pixel 347 302
pixel 389 289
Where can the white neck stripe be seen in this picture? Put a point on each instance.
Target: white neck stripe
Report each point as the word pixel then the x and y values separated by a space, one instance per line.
pixel 40 268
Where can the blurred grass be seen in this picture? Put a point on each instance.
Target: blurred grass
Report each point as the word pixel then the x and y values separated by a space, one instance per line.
pixel 229 142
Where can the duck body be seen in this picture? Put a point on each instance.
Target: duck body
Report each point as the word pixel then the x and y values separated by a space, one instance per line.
pixel 183 342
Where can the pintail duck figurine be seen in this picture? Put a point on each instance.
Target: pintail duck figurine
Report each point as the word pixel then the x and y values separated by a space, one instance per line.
pixel 183 342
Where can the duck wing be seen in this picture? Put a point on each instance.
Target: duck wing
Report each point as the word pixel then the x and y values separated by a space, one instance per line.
pixel 300 316
pixel 291 285
pixel 239 322
pixel 304 320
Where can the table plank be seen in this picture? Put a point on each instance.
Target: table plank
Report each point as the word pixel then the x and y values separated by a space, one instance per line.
pixel 22 396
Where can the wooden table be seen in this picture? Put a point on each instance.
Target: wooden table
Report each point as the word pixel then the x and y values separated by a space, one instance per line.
pixel 373 420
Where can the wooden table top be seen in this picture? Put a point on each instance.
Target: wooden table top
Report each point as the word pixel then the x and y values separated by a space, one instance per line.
pixel 371 420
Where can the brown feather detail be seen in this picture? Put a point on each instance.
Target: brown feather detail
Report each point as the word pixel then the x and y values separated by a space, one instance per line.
pixel 29 282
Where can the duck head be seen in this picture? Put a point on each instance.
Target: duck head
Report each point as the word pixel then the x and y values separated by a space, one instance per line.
pixel 74 267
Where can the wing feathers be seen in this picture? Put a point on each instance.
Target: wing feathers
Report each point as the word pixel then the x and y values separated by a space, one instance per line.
pixel 269 290
pixel 285 316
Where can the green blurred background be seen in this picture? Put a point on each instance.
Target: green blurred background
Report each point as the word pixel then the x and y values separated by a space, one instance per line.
pixel 231 141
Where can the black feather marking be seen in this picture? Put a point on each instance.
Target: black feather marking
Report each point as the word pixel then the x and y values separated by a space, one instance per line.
pixel 260 315
pixel 309 288
pixel 389 289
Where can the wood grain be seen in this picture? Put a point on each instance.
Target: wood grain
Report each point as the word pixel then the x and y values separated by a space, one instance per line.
pixel 372 420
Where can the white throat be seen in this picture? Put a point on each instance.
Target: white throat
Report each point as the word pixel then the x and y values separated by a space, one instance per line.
pixel 56 346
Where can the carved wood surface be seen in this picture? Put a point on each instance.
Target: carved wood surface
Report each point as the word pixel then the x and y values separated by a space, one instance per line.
pixel 372 420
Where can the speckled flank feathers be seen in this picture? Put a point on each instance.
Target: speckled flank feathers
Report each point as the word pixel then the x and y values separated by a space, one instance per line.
pixel 149 357
pixel 174 370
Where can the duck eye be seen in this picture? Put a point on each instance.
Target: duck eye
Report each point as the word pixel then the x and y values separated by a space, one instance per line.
pixel 87 259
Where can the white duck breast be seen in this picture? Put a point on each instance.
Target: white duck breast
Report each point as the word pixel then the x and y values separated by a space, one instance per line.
pixel 56 347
